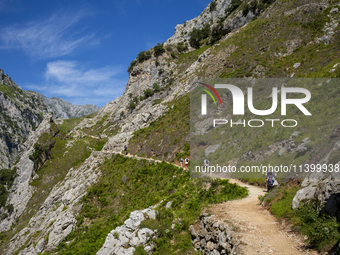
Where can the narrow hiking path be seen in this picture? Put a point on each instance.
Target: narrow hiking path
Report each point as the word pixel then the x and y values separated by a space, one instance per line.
pixel 259 230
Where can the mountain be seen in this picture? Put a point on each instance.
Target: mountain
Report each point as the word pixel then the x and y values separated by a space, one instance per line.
pixel 76 194
pixel 66 110
pixel 21 113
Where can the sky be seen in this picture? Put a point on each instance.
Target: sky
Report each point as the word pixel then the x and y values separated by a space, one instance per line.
pixel 80 50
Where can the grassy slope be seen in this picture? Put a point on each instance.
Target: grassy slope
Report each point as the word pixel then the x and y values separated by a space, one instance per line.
pixel 110 201
pixel 167 136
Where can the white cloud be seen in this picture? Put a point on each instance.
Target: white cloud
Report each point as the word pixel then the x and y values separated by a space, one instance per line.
pixel 80 84
pixel 57 36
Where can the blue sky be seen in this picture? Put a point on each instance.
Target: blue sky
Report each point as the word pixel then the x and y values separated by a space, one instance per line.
pixel 80 50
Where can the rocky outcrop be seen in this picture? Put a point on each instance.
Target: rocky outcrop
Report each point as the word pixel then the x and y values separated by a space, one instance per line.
pixel 56 217
pixel 20 114
pixel 211 16
pixel 123 239
pixel 214 237
pixel 66 110
pixel 324 185
pixel 21 191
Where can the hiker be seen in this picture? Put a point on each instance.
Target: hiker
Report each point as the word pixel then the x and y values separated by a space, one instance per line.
pixel 181 162
pixel 206 163
pixel 125 149
pixel 271 180
pixel 186 162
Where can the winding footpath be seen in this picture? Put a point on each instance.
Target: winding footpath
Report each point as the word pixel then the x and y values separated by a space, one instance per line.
pixel 260 231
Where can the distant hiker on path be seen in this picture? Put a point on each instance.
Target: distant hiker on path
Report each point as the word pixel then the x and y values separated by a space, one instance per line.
pixel 181 162
pixel 206 163
pixel 186 162
pixel 271 180
pixel 125 149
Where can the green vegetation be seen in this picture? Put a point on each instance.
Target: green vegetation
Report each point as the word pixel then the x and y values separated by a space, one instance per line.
pixel 172 129
pixel 197 35
pixel 7 177
pixel 182 47
pixel 212 6
pixel 132 106
pixel 158 49
pixel 143 56
pixel 10 91
pixel 109 202
pixel 234 4
pixel 69 124
pixel 156 87
pixel 322 229
pixel 42 149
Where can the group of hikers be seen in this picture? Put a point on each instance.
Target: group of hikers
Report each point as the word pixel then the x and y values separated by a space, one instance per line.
pixel 271 178
pixel 186 162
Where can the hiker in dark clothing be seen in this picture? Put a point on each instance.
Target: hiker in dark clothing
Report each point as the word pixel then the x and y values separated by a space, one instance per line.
pixel 125 149
pixel 270 180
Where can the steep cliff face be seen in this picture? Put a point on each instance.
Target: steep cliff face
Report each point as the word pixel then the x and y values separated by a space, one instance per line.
pixel 20 113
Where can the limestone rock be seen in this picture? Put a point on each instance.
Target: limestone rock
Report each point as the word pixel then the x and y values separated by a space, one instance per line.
pixel 129 235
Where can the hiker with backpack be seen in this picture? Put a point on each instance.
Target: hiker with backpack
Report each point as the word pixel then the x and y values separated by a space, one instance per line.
pixel 181 162
pixel 271 180
pixel 186 162
pixel 206 163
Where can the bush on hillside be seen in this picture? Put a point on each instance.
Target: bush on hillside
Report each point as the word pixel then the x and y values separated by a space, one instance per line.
pixel 181 47
pixel 212 6
pixel 158 50
pixel 197 35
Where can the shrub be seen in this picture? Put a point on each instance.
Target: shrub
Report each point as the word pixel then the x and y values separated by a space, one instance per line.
pixel 135 99
pixel 160 71
pixel 132 65
pixel 132 106
pixel 216 33
pixel 173 55
pixel 143 56
pixel 181 47
pixel 156 87
pixel 169 48
pixel 197 35
pixel 148 93
pixel 158 49
pixel 212 6
pixel 320 228
pixel 245 9
pixel 234 4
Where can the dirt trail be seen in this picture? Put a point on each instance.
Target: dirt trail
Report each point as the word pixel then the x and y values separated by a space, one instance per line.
pixel 259 230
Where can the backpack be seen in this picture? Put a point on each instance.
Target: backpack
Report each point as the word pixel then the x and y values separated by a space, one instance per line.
pixel 186 160
pixel 270 180
pixel 207 162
